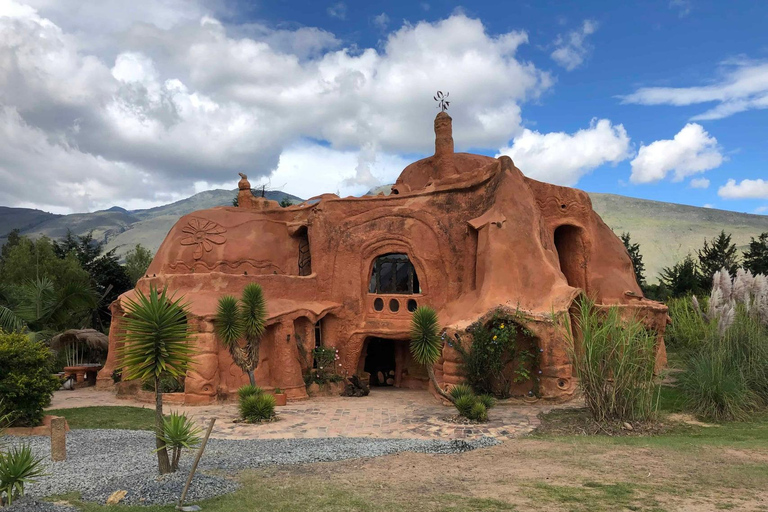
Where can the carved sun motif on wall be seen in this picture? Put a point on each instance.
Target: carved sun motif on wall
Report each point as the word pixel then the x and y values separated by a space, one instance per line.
pixel 204 234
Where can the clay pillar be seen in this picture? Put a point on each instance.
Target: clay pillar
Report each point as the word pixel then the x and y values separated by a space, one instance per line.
pixel 58 439
pixel 285 367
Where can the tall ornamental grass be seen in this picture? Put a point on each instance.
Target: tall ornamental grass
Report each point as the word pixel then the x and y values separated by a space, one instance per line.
pixel 614 360
pixel 726 372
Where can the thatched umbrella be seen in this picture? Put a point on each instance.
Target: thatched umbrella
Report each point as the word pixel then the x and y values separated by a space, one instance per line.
pixel 79 341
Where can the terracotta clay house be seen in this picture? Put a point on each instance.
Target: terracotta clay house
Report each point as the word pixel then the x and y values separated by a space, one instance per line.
pixel 465 234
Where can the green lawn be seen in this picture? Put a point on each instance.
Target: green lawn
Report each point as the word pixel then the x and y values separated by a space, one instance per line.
pixel 114 417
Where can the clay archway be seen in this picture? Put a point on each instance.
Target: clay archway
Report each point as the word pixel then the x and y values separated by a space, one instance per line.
pixel 572 254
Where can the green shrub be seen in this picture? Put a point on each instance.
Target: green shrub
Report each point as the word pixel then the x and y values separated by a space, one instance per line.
pixel 26 378
pixel 715 388
pixel 688 330
pixel 168 384
pixel 464 405
pixel 18 467
pixel 614 359
pixel 487 400
pixel 495 347
pixel 460 390
pixel 179 432
pixel 478 412
pixel 255 408
pixel 249 390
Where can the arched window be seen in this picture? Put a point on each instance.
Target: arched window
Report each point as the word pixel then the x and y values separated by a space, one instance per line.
pixel 394 273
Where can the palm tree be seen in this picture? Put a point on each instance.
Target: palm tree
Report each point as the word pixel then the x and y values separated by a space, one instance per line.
pixel 246 320
pixel 156 340
pixel 426 344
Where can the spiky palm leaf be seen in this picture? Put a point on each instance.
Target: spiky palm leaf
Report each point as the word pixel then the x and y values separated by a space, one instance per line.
pixel 426 345
pixel 425 338
pixel 18 467
pixel 254 311
pixel 9 321
pixel 228 324
pixel 157 336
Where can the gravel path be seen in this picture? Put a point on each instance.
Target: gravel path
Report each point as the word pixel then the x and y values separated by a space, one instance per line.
pixel 100 462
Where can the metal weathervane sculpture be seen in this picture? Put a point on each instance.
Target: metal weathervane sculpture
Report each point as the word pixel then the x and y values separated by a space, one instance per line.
pixel 442 100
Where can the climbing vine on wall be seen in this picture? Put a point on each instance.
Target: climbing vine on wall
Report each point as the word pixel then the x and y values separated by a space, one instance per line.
pixel 496 360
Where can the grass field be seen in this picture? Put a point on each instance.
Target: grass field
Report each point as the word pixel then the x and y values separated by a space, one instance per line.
pixel 115 417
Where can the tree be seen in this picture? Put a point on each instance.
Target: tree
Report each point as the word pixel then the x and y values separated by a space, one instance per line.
pixel 682 278
pixel 721 253
pixel 156 340
pixel 756 258
pixel 285 202
pixel 637 259
pixel 108 277
pixel 137 262
pixel 426 345
pixel 240 326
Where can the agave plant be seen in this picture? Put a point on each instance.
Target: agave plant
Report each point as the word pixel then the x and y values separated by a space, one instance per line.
pixel 426 344
pixel 179 433
pixel 240 324
pixel 157 342
pixel 18 467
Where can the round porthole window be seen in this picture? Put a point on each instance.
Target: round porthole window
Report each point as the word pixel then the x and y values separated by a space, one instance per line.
pixel 394 305
pixel 378 304
pixel 412 305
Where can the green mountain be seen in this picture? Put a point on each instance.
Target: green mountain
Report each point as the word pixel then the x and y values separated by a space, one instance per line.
pixel 666 232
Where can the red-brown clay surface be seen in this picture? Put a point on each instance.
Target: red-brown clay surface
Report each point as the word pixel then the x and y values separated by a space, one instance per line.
pixel 478 234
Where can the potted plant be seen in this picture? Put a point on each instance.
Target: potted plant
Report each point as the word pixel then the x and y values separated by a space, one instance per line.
pixel 280 397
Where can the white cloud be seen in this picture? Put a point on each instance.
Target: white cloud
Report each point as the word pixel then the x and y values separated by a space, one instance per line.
pixel 708 205
pixel 761 209
pixel 563 158
pixel 338 10
pixel 381 21
pixel 178 103
pixel 683 7
pixel 572 49
pixel 746 189
pixel 691 151
pixel 742 86
pixel 700 183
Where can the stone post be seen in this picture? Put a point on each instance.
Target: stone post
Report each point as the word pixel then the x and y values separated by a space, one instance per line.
pixel 58 439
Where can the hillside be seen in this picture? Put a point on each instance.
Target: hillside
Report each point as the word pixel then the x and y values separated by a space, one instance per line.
pixel 666 232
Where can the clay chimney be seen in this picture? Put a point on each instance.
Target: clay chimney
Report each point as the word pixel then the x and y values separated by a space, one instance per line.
pixel 443 134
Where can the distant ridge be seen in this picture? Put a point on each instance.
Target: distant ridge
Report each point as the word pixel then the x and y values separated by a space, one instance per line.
pixel 666 232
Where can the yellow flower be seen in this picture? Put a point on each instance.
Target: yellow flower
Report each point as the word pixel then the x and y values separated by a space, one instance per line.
pixel 502 326
pixel 494 337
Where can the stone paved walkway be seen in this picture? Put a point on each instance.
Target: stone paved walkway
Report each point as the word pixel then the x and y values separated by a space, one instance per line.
pixel 385 413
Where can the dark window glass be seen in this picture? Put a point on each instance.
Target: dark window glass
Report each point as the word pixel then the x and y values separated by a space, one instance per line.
pixel 394 273
pixel 394 305
pixel 412 305
pixel 378 304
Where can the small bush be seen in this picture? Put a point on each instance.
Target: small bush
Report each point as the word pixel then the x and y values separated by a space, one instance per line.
pixel 26 378
pixel 460 390
pixel 278 391
pixel 256 408
pixel 18 467
pixel 715 388
pixel 464 405
pixel 688 330
pixel 487 400
pixel 478 412
pixel 249 390
pixel 179 432
pixel 614 360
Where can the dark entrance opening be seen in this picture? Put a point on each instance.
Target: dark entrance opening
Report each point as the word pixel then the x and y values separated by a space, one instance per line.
pixel 572 255
pixel 380 362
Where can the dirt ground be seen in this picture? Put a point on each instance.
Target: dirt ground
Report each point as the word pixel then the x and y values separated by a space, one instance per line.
pixel 530 474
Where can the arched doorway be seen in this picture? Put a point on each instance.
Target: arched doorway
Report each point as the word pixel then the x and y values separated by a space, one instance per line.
pixel 388 363
pixel 572 254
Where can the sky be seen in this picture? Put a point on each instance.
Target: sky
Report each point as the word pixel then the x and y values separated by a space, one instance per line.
pixel 141 103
